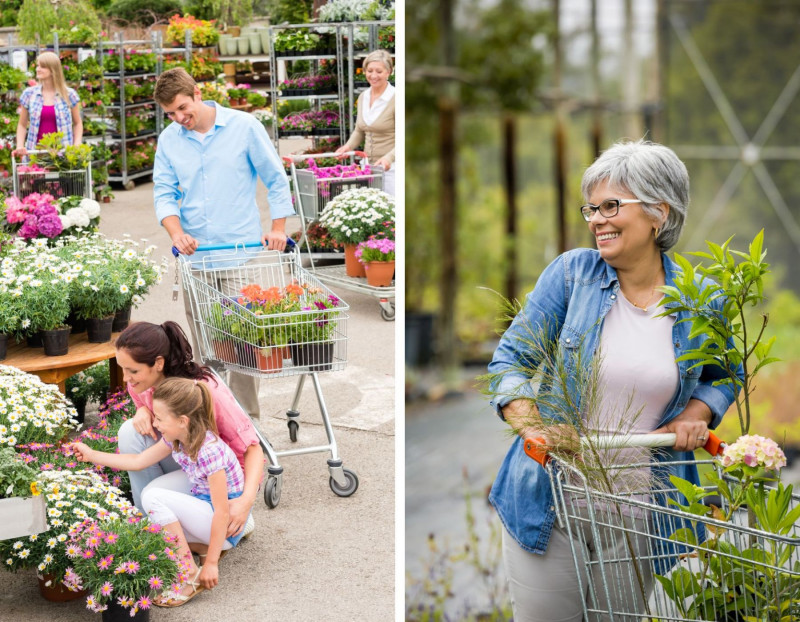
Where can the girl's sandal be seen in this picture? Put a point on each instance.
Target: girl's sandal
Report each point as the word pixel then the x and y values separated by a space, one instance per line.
pixel 170 599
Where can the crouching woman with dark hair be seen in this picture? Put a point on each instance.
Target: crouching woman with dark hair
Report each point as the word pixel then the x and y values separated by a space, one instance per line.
pixel 149 354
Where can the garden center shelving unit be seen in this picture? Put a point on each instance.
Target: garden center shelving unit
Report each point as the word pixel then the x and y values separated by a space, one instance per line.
pixel 355 56
pixel 336 54
pixel 122 137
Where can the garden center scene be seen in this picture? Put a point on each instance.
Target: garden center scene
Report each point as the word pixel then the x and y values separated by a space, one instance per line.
pixel 601 259
pixel 113 503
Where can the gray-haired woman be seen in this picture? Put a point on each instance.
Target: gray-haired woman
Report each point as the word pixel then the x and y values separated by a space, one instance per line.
pixel 604 302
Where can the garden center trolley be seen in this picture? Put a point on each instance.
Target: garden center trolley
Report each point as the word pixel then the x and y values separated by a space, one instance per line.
pixel 59 184
pixel 736 573
pixel 285 342
pixel 313 193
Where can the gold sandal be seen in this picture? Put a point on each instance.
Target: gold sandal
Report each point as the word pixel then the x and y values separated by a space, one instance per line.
pixel 171 599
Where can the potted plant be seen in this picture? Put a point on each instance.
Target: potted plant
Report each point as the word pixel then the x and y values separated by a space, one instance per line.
pixel 220 317
pixel 71 497
pixel 122 566
pixel 89 385
pixel 318 239
pixel 22 508
pixel 34 216
pixel 313 333
pixel 377 256
pixel 204 32
pixel 296 42
pixel 355 215
pixel 42 414
pixel 79 215
pixel 746 477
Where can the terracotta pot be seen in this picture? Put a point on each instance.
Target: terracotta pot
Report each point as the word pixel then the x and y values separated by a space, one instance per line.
pixel 99 329
pixel 351 265
pixel 56 591
pixel 379 273
pixel 56 342
pixel 270 359
pixel 106 199
pixel 224 350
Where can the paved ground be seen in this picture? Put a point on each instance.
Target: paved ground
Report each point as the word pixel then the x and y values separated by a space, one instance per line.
pixel 316 556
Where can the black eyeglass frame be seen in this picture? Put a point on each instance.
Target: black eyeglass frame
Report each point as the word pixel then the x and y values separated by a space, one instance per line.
pixel 588 210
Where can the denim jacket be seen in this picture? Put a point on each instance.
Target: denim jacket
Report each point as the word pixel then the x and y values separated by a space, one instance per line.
pixel 571 295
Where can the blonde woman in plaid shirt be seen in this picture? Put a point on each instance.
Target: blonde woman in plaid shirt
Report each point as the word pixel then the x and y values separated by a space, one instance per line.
pixel 184 415
pixel 49 106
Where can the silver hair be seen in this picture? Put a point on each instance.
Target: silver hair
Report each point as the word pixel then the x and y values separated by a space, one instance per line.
pixel 381 56
pixel 651 172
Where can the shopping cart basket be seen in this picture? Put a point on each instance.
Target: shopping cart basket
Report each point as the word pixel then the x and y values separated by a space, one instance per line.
pixel 238 337
pixel 312 193
pixel 27 180
pixel 652 561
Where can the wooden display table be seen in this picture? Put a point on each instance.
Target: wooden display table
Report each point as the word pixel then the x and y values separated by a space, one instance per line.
pixel 56 369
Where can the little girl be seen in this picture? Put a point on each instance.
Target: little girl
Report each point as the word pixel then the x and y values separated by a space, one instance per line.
pixel 184 415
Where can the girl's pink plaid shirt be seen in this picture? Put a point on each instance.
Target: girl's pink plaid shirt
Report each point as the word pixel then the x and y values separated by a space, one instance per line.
pixel 213 456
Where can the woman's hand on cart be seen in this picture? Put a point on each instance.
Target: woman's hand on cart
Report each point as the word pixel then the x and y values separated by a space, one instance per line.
pixel 384 164
pixel 19 152
pixel 690 427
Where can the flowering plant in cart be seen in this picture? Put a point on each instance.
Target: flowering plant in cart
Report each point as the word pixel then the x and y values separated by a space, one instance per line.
pixel 317 323
pixel 739 575
pixel 121 561
pixel 271 308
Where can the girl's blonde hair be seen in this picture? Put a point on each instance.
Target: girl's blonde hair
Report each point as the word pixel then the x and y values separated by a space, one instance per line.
pixel 50 61
pixel 191 398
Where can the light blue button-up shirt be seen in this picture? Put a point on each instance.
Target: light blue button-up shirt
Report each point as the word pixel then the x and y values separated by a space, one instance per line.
pixel 211 185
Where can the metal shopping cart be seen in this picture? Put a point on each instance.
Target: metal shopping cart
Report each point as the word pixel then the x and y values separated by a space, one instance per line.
pixel 235 336
pixel 29 179
pixel 654 561
pixel 312 193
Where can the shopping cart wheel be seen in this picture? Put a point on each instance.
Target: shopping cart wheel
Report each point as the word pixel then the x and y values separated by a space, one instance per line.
pixel 387 311
pixel 272 493
pixel 293 427
pixel 349 488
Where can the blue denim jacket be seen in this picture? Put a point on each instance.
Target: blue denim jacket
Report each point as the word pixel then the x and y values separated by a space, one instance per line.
pixel 571 295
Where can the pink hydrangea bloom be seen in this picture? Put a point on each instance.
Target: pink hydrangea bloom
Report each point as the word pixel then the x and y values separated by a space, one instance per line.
pixel 754 451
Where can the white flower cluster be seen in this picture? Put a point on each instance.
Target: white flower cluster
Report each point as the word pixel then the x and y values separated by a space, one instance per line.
pixel 72 497
pixel 32 411
pixel 80 216
pixel 356 211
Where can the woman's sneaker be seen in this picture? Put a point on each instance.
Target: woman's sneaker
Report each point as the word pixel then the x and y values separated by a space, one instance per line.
pixel 249 526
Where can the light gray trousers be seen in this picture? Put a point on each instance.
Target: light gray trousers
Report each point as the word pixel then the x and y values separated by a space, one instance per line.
pixel 546 588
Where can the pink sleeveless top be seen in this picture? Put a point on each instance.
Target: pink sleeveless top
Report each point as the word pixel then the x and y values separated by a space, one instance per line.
pixel 48 124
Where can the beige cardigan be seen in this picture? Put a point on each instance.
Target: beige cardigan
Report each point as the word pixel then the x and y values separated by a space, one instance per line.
pixel 379 137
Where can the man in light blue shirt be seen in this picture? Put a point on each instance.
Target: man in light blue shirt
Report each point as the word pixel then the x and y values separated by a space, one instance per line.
pixel 205 173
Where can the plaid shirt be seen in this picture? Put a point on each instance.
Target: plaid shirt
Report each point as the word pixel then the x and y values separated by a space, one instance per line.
pixel 213 456
pixel 33 101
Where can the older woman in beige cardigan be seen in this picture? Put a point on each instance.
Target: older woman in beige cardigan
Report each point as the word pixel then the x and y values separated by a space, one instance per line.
pixel 375 120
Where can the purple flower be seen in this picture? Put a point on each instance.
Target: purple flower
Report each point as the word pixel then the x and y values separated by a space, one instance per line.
pixel 50 225
pixel 29 229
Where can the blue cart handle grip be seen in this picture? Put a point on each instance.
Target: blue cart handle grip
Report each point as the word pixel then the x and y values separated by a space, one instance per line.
pixel 290 244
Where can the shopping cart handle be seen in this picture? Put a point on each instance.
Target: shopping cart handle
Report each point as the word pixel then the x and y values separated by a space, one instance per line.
pixel 313 156
pixel 536 448
pixel 290 244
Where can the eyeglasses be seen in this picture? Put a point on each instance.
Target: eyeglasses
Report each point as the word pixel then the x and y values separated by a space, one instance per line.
pixel 607 209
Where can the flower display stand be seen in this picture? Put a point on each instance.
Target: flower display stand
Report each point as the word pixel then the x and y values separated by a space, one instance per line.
pixel 22 517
